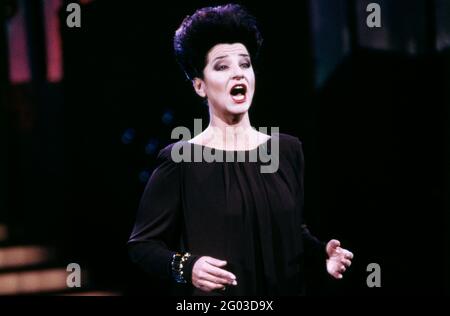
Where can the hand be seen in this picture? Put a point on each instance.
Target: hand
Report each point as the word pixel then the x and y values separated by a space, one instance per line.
pixel 339 259
pixel 207 274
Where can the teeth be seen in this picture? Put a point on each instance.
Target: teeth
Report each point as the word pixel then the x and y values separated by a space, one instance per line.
pixel 238 89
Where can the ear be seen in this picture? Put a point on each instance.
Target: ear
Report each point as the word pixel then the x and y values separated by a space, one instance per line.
pixel 199 87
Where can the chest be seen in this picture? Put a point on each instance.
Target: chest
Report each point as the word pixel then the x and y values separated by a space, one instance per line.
pixel 223 190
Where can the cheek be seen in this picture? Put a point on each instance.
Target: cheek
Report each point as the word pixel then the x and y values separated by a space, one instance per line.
pixel 216 86
pixel 251 79
pixel 252 84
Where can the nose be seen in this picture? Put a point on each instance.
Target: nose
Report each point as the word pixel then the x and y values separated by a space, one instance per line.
pixel 238 73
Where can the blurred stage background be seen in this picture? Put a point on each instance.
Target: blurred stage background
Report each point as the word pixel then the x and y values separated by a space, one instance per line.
pixel 84 112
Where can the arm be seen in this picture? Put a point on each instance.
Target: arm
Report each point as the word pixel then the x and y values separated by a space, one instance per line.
pixel 313 246
pixel 337 259
pixel 157 231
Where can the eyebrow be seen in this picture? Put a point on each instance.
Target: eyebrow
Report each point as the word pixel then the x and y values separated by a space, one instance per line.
pixel 223 56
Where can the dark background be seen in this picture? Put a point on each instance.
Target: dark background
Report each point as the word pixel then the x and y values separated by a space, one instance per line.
pixel 370 106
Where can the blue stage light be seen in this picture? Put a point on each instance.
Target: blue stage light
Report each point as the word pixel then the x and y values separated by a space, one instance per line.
pixel 144 175
pixel 151 146
pixel 167 117
pixel 128 136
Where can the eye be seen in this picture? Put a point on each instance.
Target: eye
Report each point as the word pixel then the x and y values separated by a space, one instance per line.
pixel 246 65
pixel 221 67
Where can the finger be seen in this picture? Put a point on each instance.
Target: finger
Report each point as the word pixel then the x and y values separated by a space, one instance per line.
pixel 342 269
pixel 214 279
pixel 216 262
pixel 346 262
pixel 221 273
pixel 334 243
pixel 348 254
pixel 209 286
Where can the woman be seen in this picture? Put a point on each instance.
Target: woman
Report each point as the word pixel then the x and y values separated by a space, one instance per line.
pixel 226 228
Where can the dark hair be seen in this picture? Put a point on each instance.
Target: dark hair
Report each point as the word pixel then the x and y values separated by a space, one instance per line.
pixel 210 26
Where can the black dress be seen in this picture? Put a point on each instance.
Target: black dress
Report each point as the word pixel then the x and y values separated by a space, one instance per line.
pixel 230 211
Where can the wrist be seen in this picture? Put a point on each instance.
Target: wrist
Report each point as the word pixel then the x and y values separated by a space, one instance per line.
pixel 177 266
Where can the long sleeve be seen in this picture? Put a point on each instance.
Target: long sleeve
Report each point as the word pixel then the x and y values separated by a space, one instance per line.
pixel 313 246
pixel 157 231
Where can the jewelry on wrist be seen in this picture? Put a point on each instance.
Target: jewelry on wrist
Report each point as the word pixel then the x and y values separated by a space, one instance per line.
pixel 177 266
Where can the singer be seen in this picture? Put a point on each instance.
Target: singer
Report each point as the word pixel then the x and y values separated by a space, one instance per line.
pixel 225 227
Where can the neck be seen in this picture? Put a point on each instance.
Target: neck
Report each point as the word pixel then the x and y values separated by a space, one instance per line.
pixel 232 131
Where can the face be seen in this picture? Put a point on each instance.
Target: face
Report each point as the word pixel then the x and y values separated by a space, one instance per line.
pixel 228 79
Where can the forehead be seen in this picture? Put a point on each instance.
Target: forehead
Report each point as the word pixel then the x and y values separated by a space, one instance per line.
pixel 226 49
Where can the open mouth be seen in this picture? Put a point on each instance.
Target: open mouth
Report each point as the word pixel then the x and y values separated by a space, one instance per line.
pixel 238 93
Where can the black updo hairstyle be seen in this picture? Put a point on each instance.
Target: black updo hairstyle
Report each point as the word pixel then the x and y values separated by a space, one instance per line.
pixel 207 27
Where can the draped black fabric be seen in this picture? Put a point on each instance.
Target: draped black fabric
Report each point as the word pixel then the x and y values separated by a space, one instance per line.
pixel 230 211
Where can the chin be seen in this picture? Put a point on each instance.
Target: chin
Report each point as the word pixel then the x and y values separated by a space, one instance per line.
pixel 238 108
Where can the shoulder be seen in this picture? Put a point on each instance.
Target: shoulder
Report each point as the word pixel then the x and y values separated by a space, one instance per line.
pixel 290 151
pixel 288 144
pixel 170 153
pixel 167 164
pixel 165 154
pixel 288 140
